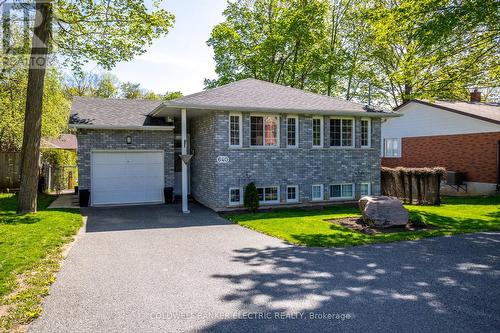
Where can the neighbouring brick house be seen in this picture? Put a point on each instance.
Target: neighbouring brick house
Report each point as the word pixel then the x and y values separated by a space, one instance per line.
pixel 297 147
pixel 460 136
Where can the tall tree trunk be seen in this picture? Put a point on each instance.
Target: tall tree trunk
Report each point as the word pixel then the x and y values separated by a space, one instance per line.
pixel 30 153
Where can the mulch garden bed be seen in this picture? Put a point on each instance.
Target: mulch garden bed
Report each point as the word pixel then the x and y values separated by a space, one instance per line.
pixel 357 224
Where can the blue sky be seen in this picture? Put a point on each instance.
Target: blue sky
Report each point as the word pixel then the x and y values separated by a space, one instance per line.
pixel 181 60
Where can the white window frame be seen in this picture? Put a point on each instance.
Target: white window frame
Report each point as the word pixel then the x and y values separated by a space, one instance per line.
pixel 264 201
pixel 398 140
pixel 296 193
pixel 240 129
pixel 322 192
pixel 353 189
pixel 369 132
pixel 241 196
pixel 369 188
pixel 296 131
pixel 321 132
pixel 353 135
pixel 277 145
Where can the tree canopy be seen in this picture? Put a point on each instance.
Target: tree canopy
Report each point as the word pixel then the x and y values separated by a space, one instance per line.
pixel 400 49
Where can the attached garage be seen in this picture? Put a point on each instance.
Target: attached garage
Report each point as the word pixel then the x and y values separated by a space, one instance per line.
pixel 127 177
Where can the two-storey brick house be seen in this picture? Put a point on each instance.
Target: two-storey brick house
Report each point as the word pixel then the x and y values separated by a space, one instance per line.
pixel 297 147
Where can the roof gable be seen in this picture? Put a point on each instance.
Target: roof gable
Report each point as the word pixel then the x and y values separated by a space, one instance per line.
pixel 489 112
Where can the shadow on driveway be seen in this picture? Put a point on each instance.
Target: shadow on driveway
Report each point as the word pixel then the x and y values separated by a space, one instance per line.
pixel 440 284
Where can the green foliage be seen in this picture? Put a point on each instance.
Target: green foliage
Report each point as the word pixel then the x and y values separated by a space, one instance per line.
pixel 59 157
pixel 107 31
pixel 83 83
pixel 401 49
pixel 170 95
pixel 251 197
pixel 131 90
pixel 13 84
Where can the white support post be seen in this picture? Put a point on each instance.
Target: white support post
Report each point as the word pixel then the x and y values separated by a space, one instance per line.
pixel 184 165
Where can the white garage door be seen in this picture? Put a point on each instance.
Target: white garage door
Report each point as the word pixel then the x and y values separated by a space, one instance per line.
pixel 127 177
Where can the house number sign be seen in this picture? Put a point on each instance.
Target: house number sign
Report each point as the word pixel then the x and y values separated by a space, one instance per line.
pixel 222 159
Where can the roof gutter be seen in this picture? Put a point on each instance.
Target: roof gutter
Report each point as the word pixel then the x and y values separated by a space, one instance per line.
pixel 121 127
pixel 164 106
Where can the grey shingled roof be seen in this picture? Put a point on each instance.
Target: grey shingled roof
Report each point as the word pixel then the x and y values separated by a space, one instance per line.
pixel 113 112
pixel 485 111
pixel 255 95
pixel 64 141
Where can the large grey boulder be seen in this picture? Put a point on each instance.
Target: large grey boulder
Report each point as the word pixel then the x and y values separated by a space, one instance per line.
pixel 383 211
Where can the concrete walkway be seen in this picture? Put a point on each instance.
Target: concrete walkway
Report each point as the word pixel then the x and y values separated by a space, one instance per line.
pixel 151 269
pixel 65 200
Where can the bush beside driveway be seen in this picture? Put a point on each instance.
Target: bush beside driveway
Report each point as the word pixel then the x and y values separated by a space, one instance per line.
pixel 30 255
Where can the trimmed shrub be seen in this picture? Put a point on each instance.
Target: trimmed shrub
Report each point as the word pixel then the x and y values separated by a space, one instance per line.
pixel 251 197
pixel 413 185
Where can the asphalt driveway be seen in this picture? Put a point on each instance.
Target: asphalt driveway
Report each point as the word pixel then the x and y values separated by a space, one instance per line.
pixel 151 269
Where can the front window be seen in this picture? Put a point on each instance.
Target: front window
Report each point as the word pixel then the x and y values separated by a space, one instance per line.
pixel 268 194
pixel 365 189
pixel 291 131
pixel 234 196
pixel 392 148
pixel 235 130
pixel 365 133
pixel 292 194
pixel 341 132
pixel 317 192
pixel 342 191
pixel 317 130
pixel 264 130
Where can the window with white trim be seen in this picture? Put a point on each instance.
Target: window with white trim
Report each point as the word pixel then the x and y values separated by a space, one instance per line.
pixel 317 132
pixel 342 191
pixel 235 131
pixel 365 189
pixel 341 132
pixel 268 194
pixel 264 131
pixel 392 148
pixel 317 192
pixel 234 196
pixel 292 131
pixel 366 132
pixel 292 193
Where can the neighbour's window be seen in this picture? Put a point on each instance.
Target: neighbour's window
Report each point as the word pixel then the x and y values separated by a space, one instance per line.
pixel 292 131
pixel 264 130
pixel 341 132
pixel 292 193
pixel 235 130
pixel 365 132
pixel 234 196
pixel 365 189
pixel 392 148
pixel 268 194
pixel 342 191
pixel 317 132
pixel 317 192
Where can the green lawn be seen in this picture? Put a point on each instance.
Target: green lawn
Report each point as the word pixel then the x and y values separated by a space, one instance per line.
pixel 30 252
pixel 310 228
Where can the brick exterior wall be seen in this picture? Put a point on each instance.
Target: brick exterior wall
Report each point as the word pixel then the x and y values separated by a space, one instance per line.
pixel 90 139
pixel 475 154
pixel 203 167
pixel 303 166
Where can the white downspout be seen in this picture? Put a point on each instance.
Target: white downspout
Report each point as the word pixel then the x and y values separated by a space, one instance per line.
pixel 184 165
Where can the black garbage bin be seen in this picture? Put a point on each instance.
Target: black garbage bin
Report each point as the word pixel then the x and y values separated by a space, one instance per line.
pixel 168 193
pixel 84 198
